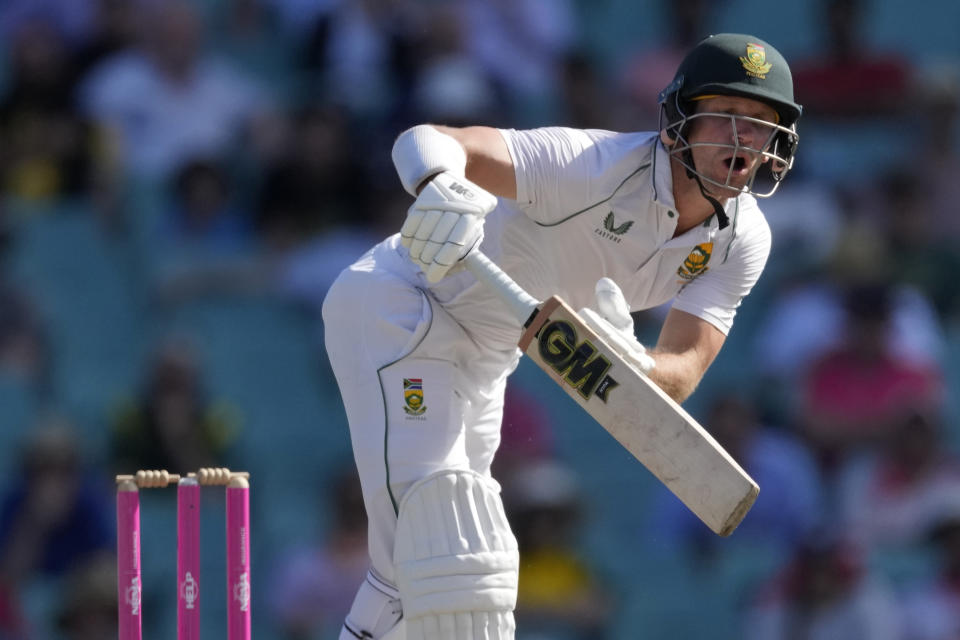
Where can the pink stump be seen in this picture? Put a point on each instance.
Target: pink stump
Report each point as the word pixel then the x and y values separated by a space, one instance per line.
pixel 188 559
pixel 128 561
pixel 238 559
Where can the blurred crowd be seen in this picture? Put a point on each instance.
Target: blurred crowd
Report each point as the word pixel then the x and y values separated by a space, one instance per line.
pixel 167 163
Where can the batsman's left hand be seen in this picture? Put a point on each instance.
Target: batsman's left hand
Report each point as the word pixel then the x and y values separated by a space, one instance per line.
pixel 445 223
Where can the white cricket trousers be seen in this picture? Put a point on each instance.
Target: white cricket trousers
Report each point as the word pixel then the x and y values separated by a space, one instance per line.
pixel 419 393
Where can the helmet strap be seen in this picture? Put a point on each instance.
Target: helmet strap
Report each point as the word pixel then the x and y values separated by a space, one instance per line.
pixel 722 218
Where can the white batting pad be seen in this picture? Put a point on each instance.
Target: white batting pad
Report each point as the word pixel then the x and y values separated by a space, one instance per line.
pixel 476 625
pixel 456 559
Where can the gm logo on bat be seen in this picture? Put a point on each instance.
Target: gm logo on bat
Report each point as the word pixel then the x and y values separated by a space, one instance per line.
pixel 579 363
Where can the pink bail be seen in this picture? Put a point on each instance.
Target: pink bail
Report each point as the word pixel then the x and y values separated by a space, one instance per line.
pixel 238 559
pixel 188 559
pixel 129 579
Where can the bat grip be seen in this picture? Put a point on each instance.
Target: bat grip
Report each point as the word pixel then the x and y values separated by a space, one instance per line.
pixel 521 303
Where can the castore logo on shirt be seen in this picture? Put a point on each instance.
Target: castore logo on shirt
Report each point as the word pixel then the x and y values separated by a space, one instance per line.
pixel 612 231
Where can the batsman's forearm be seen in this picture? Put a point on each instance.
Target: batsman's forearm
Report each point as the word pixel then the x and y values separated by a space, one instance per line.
pixel 677 374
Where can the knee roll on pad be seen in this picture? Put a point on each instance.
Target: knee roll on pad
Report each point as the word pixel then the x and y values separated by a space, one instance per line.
pixel 476 625
pixel 456 559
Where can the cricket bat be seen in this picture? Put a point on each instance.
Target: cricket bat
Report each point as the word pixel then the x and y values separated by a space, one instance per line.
pixel 638 413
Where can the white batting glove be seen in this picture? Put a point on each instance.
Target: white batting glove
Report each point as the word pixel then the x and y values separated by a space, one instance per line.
pixel 613 323
pixel 445 223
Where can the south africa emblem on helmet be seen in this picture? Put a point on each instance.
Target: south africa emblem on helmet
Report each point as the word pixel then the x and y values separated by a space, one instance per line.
pixel 413 396
pixel 696 263
pixel 755 62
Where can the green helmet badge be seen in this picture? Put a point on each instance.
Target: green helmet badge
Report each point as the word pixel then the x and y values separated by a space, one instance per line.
pixel 755 61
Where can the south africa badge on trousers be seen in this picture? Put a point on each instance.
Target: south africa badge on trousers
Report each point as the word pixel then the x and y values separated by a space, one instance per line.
pixel 413 396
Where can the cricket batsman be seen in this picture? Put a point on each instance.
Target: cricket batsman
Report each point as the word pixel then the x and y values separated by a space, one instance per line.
pixel 609 221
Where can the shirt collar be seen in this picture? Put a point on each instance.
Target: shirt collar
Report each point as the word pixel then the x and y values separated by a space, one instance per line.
pixel 662 179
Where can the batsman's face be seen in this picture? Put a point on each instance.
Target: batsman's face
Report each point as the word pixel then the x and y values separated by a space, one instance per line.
pixel 728 136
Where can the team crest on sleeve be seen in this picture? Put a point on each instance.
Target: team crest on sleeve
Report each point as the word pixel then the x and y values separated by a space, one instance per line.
pixel 413 396
pixel 755 62
pixel 696 263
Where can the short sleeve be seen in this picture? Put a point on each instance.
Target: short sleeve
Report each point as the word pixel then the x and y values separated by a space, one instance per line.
pixel 561 171
pixel 716 295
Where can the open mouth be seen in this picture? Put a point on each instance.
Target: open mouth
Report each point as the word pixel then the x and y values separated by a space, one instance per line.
pixel 738 163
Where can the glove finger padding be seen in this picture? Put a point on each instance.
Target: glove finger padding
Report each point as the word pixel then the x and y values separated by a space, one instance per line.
pixel 428 222
pixel 448 221
pixel 612 306
pixel 410 225
pixel 466 235
pixel 614 324
pixel 445 226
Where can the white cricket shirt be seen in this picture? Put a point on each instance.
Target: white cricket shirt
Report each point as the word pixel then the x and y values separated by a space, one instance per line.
pixel 594 203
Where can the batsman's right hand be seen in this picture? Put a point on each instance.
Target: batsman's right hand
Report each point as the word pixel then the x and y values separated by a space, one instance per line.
pixel 445 223
pixel 613 323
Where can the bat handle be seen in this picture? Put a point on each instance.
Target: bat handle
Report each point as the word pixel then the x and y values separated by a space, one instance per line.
pixel 521 303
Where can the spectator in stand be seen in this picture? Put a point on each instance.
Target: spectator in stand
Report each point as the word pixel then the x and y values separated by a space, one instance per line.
pixel 921 250
pixel 939 126
pixel 172 424
pixel 559 595
pixel 113 30
pixel 46 146
pixel 88 606
pixel 53 515
pixel 791 500
pixel 312 588
pixel 167 102
pixel 521 44
pixel 203 214
pixel 316 184
pixel 361 53
pixel 72 19
pixel 24 351
pixel 849 78
pixel 825 592
pixel 648 71
pixel 932 608
pixel 526 434
pixel 204 243
pixel 889 499
pixel 588 99
pixel 297 17
pixel 807 318
pixel 858 392
pixel 13 620
pixel 248 33
pixel 449 84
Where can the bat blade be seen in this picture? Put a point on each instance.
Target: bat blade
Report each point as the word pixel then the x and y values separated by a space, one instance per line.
pixel 642 417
